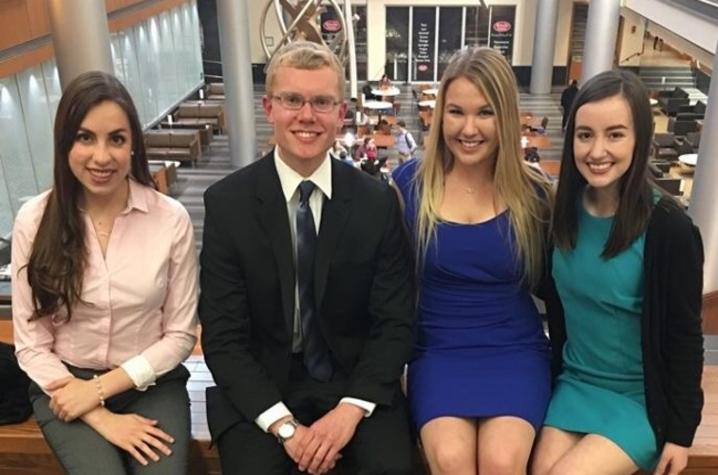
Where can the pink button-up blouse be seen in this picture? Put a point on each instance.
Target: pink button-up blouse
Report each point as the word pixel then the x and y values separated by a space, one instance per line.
pixel 140 300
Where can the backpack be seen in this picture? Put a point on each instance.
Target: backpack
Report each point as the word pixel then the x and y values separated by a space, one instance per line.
pixel 14 401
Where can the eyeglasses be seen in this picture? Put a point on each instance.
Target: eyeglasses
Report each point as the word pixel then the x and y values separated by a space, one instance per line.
pixel 293 102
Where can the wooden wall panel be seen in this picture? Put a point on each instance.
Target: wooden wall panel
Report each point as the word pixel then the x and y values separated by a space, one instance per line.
pixel 14 25
pixel 38 18
pixel 125 21
pixel 27 60
pixel 24 20
pixel 710 313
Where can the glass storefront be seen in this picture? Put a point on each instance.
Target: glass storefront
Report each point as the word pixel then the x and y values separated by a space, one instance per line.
pixel 421 40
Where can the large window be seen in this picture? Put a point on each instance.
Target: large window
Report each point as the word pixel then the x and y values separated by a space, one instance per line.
pixel 158 60
pixel 477 26
pixel 330 24
pixel 397 43
pixel 360 41
pixel 449 35
pixel 429 36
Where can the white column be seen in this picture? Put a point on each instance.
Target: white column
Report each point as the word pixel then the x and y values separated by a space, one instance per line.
pixel 233 22
pixel 81 37
pixel 704 194
pixel 601 31
pixel 544 46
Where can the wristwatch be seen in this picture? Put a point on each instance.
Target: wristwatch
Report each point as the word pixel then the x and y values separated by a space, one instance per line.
pixel 286 430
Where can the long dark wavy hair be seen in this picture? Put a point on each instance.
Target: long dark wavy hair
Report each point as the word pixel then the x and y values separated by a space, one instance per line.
pixel 58 257
pixel 635 187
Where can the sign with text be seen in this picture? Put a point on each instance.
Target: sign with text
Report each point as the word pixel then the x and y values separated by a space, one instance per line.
pixel 424 39
pixel 502 30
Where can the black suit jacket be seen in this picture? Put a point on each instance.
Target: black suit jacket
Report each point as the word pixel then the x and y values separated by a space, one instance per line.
pixel 363 289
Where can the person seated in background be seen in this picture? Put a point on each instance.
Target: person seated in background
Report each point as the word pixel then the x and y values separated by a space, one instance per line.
pixel 360 151
pixel 338 149
pixel 102 315
pixel 383 127
pixel 371 151
pixel 368 94
pixel 384 82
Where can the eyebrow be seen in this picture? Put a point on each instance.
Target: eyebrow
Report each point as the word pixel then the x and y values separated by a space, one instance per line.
pixel 121 129
pixel 612 127
pixel 452 104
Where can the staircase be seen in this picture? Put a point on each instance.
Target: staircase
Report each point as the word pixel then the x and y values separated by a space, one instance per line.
pixel 578 32
pixel 657 78
pixel 662 77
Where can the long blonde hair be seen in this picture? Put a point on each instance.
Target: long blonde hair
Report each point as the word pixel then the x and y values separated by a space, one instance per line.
pixel 528 196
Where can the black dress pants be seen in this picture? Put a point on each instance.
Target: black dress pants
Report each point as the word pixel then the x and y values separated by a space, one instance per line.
pixel 381 444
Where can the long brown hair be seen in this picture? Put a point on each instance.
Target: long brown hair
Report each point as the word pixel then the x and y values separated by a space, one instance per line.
pixel 635 189
pixel 58 257
pixel 527 195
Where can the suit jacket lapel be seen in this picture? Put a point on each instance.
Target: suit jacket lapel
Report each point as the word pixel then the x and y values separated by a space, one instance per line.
pixel 335 213
pixel 273 217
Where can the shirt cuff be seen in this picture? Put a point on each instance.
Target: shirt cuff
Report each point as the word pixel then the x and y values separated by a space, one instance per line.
pixel 366 405
pixel 140 372
pixel 272 415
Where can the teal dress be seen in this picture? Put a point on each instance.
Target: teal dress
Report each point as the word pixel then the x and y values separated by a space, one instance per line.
pixel 600 389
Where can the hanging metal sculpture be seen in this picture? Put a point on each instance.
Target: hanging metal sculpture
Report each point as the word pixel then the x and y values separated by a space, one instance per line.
pixel 302 16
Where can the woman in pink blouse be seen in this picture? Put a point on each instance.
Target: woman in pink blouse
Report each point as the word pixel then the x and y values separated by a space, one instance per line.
pixel 105 293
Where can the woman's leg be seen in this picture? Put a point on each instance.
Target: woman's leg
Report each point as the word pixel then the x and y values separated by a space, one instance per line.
pixel 168 403
pixel 552 444
pixel 450 445
pixel 504 445
pixel 79 449
pixel 594 455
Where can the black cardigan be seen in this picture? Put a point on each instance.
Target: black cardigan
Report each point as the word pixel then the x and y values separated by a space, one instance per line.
pixel 671 335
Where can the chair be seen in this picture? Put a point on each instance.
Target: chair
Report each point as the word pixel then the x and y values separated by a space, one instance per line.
pixel 672 186
pixel 664 147
pixel 682 127
pixel 542 128
pixel 694 139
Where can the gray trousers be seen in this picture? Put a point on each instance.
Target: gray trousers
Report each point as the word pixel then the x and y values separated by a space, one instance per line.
pixel 82 451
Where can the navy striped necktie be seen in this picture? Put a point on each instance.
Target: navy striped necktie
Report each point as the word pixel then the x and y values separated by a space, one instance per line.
pixel 316 354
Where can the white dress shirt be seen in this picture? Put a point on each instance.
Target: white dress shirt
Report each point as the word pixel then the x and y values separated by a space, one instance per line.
pixel 290 180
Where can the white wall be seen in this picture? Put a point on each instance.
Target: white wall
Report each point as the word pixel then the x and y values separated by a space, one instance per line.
pixel 631 41
pixel 688 27
pixel 679 44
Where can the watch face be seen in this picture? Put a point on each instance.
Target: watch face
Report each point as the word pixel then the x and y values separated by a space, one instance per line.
pixel 286 430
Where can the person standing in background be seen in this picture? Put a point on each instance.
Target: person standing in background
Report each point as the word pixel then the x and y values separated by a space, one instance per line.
pixel 567 97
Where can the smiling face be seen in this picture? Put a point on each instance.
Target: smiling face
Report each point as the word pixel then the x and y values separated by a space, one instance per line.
pixel 469 124
pixel 603 143
pixel 100 156
pixel 304 136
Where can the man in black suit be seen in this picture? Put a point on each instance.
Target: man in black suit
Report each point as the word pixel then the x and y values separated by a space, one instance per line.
pixel 567 97
pixel 307 300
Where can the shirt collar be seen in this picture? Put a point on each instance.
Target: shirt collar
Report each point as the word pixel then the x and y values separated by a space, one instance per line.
pixel 137 198
pixel 290 179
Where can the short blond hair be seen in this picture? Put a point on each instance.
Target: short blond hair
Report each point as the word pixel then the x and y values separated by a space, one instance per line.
pixel 304 55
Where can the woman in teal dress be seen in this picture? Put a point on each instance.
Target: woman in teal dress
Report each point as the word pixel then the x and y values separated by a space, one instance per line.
pixel 624 299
